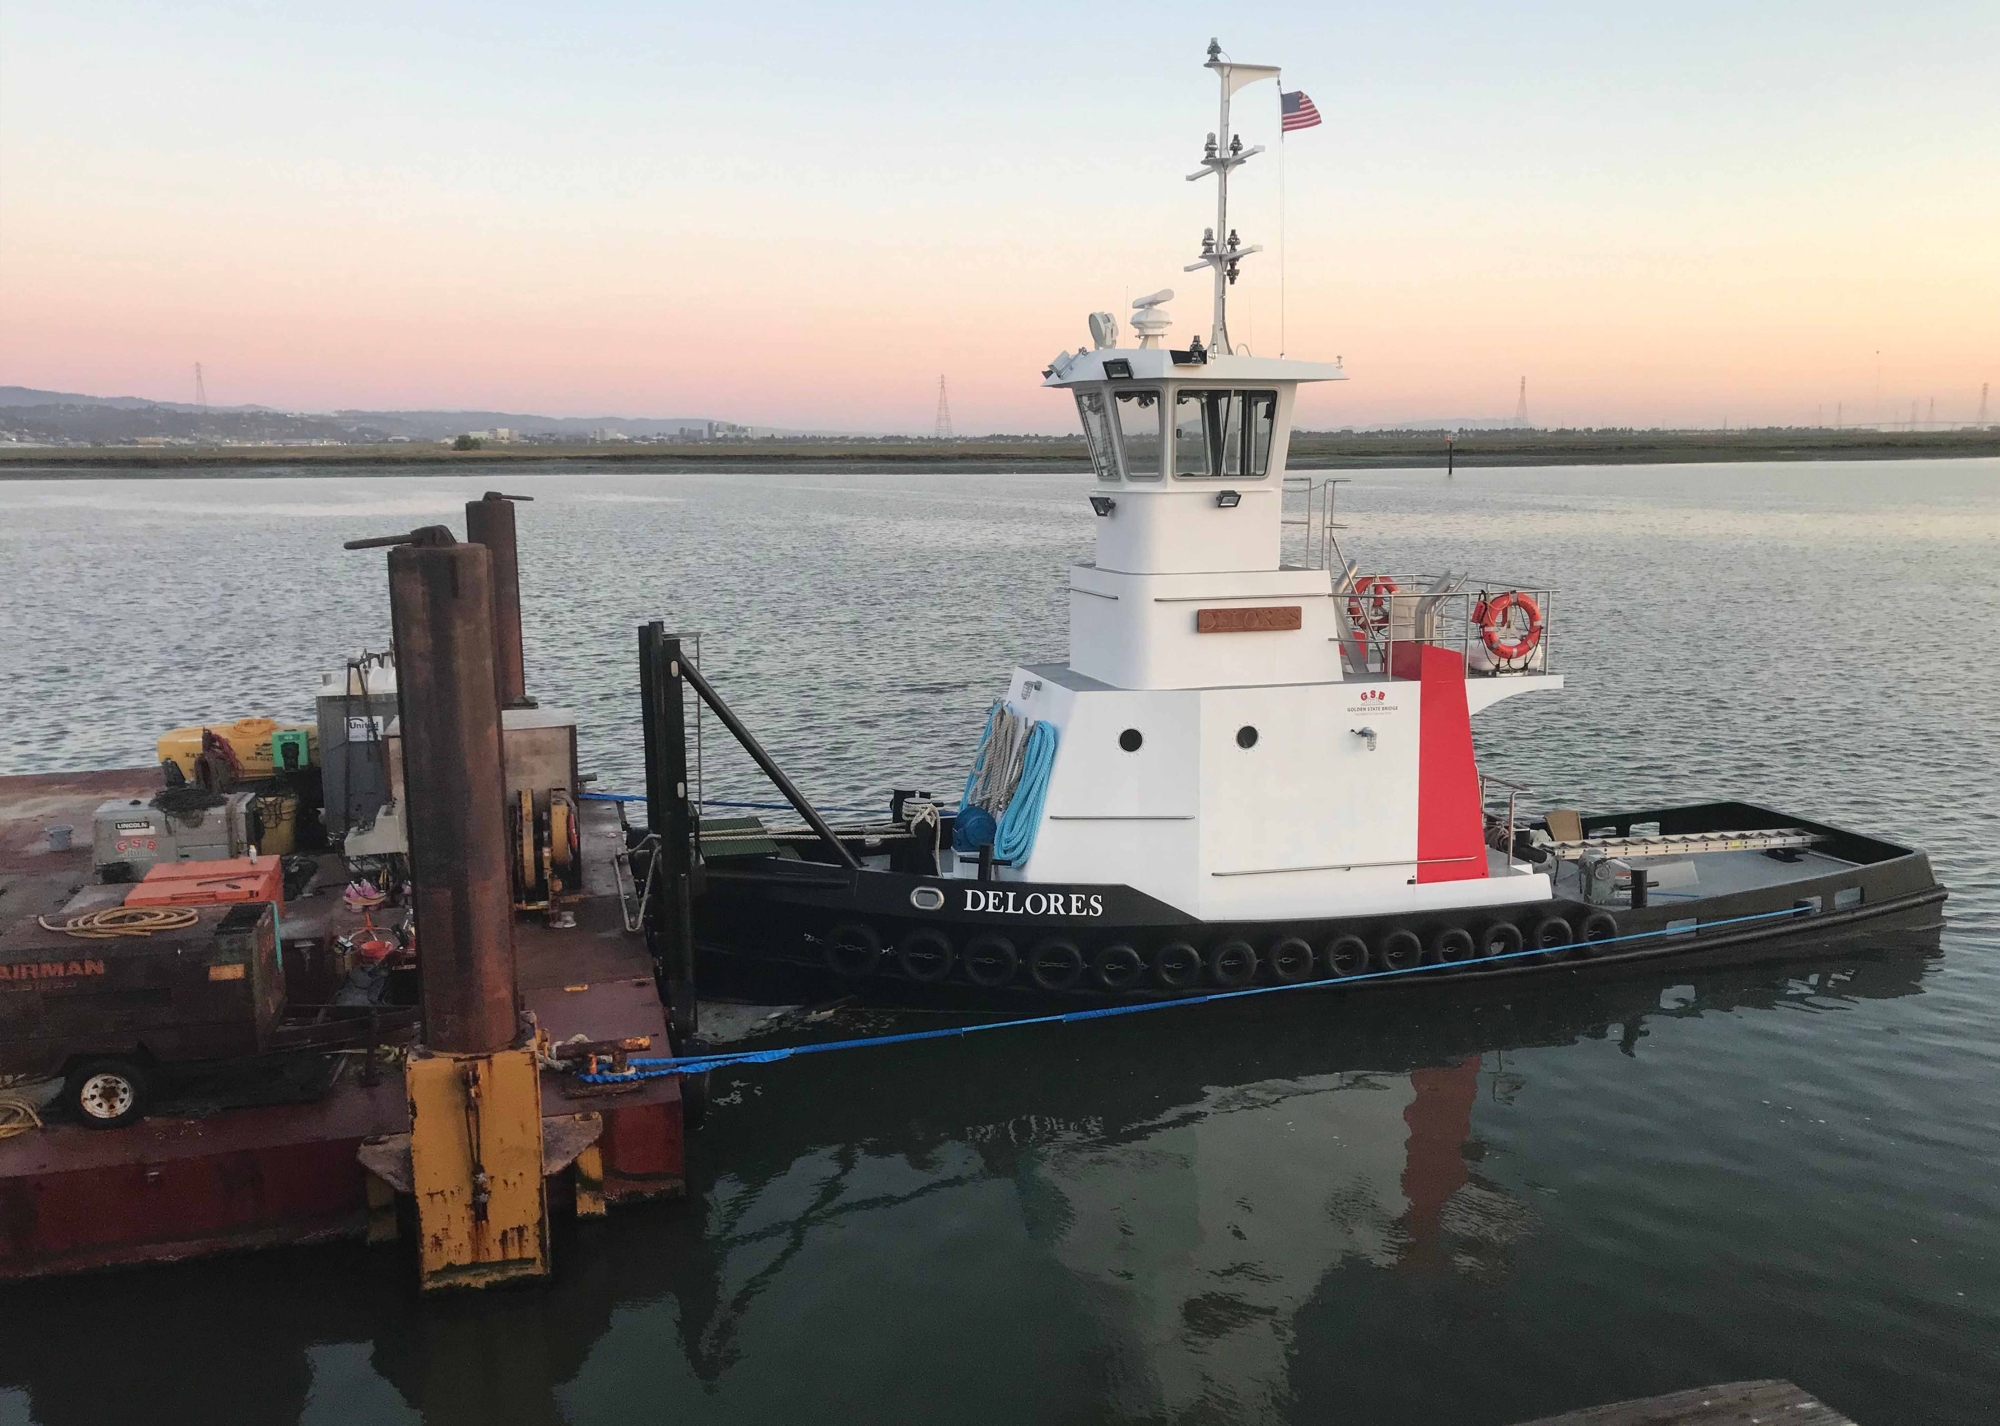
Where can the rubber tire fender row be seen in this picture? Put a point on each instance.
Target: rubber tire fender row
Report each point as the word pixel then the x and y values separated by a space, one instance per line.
pixel 1056 964
pixel 1290 960
pixel 1598 927
pixel 990 960
pixel 1118 967
pixel 925 955
pixel 1552 936
pixel 1345 955
pixel 1499 944
pixel 1453 946
pixel 1232 963
pixel 124 1082
pixel 1177 966
pixel 852 949
pixel 1400 950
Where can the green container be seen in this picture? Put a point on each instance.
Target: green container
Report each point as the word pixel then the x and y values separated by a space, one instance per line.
pixel 290 749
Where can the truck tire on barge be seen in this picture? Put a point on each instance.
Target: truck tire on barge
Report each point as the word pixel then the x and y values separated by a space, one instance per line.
pixel 1177 966
pixel 1345 956
pixel 1232 963
pixel 107 1093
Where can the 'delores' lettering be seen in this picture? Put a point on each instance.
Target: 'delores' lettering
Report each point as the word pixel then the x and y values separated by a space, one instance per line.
pixel 999 902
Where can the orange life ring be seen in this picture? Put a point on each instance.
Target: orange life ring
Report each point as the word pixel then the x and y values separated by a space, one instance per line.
pixel 1494 624
pixel 1368 606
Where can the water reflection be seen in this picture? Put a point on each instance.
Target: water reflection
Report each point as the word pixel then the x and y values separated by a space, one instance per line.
pixel 1129 1219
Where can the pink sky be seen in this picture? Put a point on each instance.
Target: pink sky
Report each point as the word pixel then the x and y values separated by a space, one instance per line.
pixel 612 213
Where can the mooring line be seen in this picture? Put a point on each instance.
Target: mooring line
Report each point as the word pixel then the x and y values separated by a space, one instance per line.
pixel 660 1067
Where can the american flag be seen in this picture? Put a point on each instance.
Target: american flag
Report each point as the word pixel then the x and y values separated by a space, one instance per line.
pixel 1296 111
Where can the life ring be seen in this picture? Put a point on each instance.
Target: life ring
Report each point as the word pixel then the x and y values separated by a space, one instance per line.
pixel 1495 624
pixel 1368 605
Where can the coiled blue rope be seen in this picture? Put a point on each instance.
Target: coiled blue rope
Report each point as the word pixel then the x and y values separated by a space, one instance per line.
pixel 1014 839
pixel 661 1067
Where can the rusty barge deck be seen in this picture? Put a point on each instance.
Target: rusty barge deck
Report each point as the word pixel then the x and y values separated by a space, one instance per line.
pixel 214 1172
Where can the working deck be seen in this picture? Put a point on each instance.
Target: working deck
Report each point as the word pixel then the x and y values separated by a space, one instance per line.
pixel 219 1166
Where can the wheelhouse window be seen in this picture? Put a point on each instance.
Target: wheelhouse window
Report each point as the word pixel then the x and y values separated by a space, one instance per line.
pixel 1090 409
pixel 1214 432
pixel 1140 416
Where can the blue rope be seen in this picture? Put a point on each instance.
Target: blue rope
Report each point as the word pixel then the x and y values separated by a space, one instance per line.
pixel 1014 839
pixel 661 1067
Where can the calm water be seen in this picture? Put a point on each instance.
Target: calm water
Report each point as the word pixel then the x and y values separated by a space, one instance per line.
pixel 1412 1211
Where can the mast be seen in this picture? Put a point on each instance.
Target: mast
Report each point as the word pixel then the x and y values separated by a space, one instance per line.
pixel 1220 248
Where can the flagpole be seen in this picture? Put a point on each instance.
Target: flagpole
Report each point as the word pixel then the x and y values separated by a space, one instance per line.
pixel 1283 251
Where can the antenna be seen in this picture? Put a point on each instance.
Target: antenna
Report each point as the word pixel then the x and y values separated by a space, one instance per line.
pixel 1521 405
pixel 1221 250
pixel 943 432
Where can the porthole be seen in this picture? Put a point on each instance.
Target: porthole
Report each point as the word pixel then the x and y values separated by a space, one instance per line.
pixel 1131 740
pixel 1246 736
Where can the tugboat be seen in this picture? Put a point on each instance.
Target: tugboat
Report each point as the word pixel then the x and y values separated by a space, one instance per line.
pixel 1252 771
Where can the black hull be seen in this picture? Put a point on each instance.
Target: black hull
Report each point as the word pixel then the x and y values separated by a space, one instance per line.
pixel 767 931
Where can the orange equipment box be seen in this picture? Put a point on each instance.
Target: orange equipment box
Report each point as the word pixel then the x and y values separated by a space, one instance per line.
pixel 209 883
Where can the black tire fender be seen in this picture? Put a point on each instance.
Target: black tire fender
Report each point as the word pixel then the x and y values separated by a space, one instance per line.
pixel 1400 950
pixel 1056 964
pixel 925 955
pixel 990 960
pixel 1344 956
pixel 1552 936
pixel 1290 960
pixel 1177 966
pixel 1453 946
pixel 1499 944
pixel 1232 963
pixel 1118 967
pixel 852 949
pixel 1598 927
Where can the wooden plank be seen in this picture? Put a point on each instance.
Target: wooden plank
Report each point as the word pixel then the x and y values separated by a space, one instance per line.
pixel 1272 619
pixel 1737 1403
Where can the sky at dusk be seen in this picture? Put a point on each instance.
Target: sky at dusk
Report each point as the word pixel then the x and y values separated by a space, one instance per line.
pixel 800 216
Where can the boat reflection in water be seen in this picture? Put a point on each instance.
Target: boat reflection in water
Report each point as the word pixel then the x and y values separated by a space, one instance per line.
pixel 1154 1215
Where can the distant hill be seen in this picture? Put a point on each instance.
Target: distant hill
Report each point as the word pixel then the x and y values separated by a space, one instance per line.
pixel 66 417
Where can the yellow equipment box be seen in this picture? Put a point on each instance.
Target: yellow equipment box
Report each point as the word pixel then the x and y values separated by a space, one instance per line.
pixel 248 738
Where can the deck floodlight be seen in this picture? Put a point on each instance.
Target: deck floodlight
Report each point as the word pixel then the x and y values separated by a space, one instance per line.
pixel 1103 504
pixel 1118 369
pixel 1228 499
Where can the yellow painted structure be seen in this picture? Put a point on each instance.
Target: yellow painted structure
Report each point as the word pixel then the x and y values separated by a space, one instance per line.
pixel 248 738
pixel 476 1168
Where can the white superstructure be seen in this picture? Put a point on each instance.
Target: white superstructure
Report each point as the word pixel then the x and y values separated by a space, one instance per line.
pixel 1240 738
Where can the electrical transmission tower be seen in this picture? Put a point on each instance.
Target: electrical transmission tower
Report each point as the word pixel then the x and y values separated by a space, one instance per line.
pixel 1521 405
pixel 943 432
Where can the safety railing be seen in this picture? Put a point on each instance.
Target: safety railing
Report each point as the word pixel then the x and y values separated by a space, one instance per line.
pixel 1499 628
